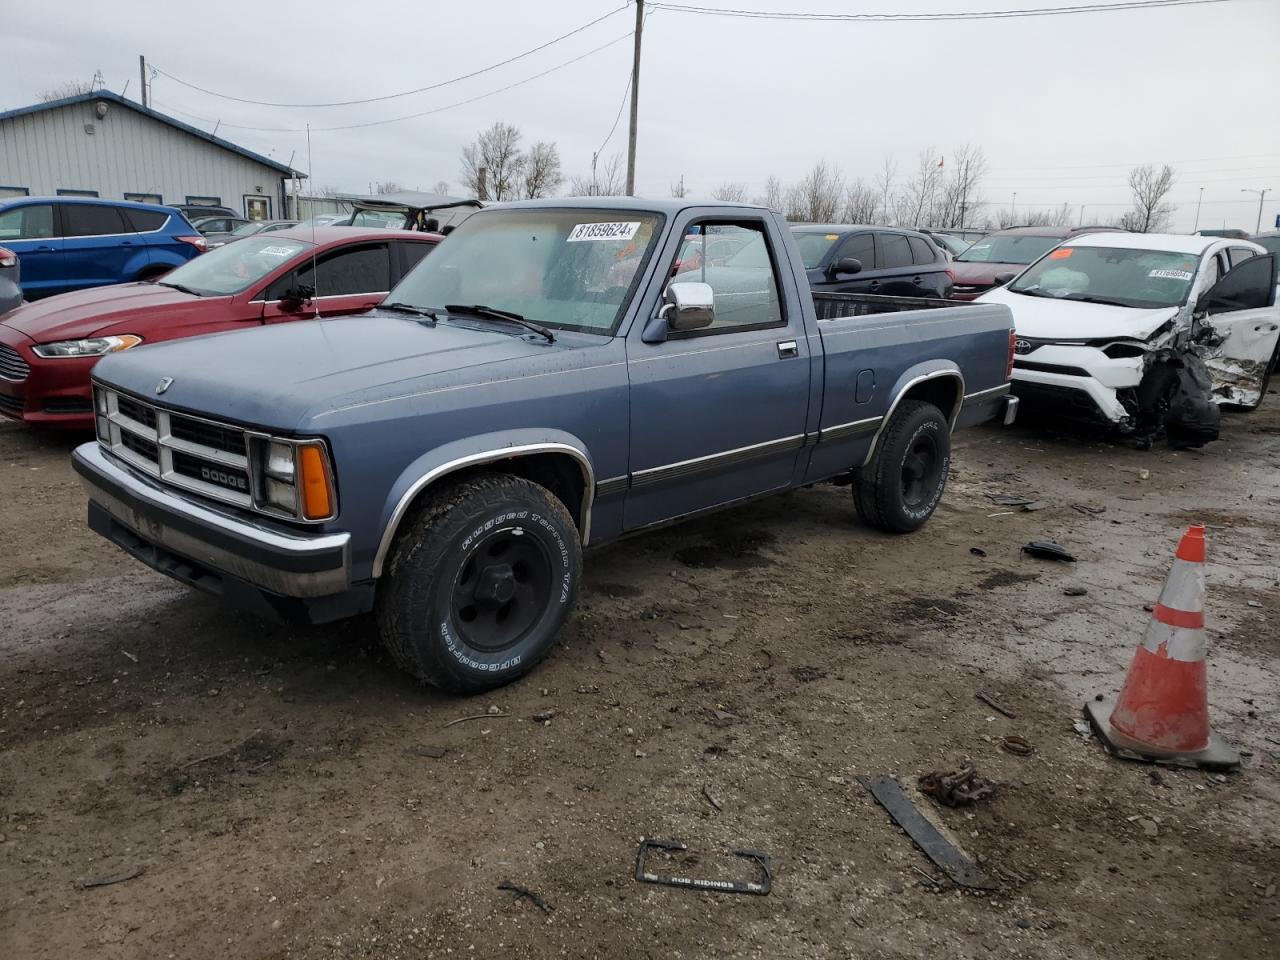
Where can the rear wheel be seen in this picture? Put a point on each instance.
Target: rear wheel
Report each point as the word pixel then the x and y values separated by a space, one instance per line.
pixel 479 583
pixel 901 486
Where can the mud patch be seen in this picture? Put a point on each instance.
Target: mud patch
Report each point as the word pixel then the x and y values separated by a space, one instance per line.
pixel 249 758
pixel 807 674
pixel 616 590
pixel 729 549
pixel 1005 578
pixel 928 609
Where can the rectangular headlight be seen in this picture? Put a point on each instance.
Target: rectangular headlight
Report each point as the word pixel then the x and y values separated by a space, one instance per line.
pixel 280 461
pixel 281 495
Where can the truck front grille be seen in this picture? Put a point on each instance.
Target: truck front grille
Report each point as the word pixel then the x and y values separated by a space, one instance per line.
pixel 195 454
pixel 12 366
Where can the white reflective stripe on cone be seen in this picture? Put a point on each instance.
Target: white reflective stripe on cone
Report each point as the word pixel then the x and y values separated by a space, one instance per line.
pixel 1180 643
pixel 1184 590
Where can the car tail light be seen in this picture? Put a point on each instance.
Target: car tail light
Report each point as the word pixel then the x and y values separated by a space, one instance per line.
pixel 197 241
pixel 1008 370
pixel 7 257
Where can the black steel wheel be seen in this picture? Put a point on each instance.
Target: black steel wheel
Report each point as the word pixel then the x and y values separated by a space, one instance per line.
pixel 479 583
pixel 900 487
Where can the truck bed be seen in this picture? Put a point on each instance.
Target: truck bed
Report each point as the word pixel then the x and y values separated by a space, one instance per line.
pixel 833 306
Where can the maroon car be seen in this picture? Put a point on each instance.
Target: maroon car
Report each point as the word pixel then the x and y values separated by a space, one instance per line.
pixel 1006 251
pixel 48 347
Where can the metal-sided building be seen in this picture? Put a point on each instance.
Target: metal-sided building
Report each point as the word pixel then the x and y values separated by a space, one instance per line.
pixel 101 145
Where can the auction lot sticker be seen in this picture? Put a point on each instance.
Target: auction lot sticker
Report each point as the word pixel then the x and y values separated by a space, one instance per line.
pixel 1170 274
pixel 603 231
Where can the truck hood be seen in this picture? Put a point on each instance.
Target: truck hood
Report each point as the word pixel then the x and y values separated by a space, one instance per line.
pixel 83 313
pixel 274 376
pixel 981 274
pixel 1044 318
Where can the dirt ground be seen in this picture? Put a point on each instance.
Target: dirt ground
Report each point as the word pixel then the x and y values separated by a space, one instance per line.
pixel 288 794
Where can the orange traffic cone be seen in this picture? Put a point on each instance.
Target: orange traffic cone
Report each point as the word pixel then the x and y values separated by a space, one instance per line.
pixel 1162 713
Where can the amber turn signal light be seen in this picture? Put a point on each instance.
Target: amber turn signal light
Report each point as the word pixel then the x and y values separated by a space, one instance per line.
pixel 315 483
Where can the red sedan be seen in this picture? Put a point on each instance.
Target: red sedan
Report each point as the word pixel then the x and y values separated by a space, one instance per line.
pixel 48 347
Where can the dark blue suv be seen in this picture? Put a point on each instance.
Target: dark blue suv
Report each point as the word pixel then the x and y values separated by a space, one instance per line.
pixel 69 243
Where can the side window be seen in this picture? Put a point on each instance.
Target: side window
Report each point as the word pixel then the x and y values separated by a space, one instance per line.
pixel 922 251
pixel 861 246
pixel 27 223
pixel 145 221
pixel 745 284
pixel 1250 286
pixel 348 272
pixel 91 220
pixel 1239 255
pixel 894 251
pixel 411 254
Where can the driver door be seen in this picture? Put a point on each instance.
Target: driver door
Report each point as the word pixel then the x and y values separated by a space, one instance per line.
pixel 350 280
pixel 1241 307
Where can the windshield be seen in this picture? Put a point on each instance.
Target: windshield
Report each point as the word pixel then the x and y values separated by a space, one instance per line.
pixel 380 219
pixel 248 229
pixel 814 246
pixel 1127 278
pixel 567 269
pixel 1008 248
pixel 234 267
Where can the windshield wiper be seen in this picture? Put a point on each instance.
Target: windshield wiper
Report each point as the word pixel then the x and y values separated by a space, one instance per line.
pixel 1102 300
pixel 179 287
pixel 410 308
pixel 480 310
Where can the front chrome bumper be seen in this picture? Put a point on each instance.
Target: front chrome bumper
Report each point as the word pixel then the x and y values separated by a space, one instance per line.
pixel 199 543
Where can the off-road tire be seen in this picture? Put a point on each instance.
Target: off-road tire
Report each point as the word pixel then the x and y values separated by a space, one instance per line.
pixel 419 619
pixel 878 488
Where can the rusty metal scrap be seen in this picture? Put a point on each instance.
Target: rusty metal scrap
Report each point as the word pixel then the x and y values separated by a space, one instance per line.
pixel 955 789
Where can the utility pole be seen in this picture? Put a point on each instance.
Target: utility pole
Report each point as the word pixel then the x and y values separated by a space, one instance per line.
pixel 635 102
pixel 1262 195
pixel 1081 223
pixel 142 74
pixel 1013 214
pixel 1199 201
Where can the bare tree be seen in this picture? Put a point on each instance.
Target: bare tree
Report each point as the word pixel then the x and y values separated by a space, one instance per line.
pixel 388 186
pixel 1028 217
pixel 959 191
pixel 919 198
pixel 678 189
pixel 861 202
pixel 70 88
pixel 1150 213
pixel 609 180
pixel 542 173
pixel 795 205
pixel 328 190
pixel 497 152
pixel 822 190
pixel 440 186
pixel 730 191
pixel 773 196
pixel 884 187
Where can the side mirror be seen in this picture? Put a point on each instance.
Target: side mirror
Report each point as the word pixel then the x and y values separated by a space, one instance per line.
pixel 1003 278
pixel 688 305
pixel 845 265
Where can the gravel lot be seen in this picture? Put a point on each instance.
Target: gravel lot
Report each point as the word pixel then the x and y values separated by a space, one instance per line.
pixel 284 794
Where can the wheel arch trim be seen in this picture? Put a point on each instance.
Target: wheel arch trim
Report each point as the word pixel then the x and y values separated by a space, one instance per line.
pixel 479 458
pixel 921 373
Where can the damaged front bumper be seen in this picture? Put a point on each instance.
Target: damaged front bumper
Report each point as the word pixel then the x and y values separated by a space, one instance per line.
pixel 1083 379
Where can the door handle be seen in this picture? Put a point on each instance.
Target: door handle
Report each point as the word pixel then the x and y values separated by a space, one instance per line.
pixel 787 349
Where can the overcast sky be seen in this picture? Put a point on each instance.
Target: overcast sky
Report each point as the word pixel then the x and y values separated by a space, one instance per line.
pixel 1062 105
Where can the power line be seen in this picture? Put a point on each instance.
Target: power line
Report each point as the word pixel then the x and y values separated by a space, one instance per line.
pixel 411 116
pixel 403 93
pixel 1095 166
pixel 932 17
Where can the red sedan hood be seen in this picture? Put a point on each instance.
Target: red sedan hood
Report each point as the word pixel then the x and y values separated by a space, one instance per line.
pixel 138 306
pixel 982 273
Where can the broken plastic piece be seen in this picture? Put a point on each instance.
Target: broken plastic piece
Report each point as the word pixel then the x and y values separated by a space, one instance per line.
pixel 1048 550
pixel 716 886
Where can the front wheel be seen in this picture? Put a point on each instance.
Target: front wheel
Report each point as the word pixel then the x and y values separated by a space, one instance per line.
pixel 901 486
pixel 479 583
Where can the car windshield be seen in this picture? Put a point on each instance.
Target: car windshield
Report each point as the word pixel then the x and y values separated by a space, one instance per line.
pixel 380 219
pixel 234 267
pixel 567 269
pixel 814 246
pixel 1009 248
pixel 1115 275
pixel 248 229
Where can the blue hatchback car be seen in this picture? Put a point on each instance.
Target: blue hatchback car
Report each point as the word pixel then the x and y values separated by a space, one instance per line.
pixel 69 243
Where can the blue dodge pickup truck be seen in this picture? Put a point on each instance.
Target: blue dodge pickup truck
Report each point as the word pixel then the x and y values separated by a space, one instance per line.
pixel 552 378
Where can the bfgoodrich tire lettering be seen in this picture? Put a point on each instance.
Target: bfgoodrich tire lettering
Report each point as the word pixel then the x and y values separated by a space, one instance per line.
pixel 901 486
pixel 479 583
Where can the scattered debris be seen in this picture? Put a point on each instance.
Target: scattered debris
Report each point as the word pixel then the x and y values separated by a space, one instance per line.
pixel 1082 727
pixel 135 659
pixel 722 717
pixel 544 716
pixel 1075 591
pixel 428 750
pixel 955 789
pixel 888 793
pixel 222 753
pixel 1048 550
pixel 1149 827
pixel 706 792
pixel 1033 507
pixel 1144 474
pixel 1255 603
pixel 987 699
pixel 520 891
pixel 977 551
pixel 718 886
pixel 1088 510
pixel 1008 500
pixel 1018 746
pixel 107 879
pixel 478 716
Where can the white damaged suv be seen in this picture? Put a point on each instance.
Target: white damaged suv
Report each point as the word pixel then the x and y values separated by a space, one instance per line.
pixel 1095 315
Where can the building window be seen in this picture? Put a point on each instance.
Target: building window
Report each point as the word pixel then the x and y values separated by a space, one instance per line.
pixel 14 192
pixel 77 193
pixel 144 198
pixel 204 201
pixel 257 207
